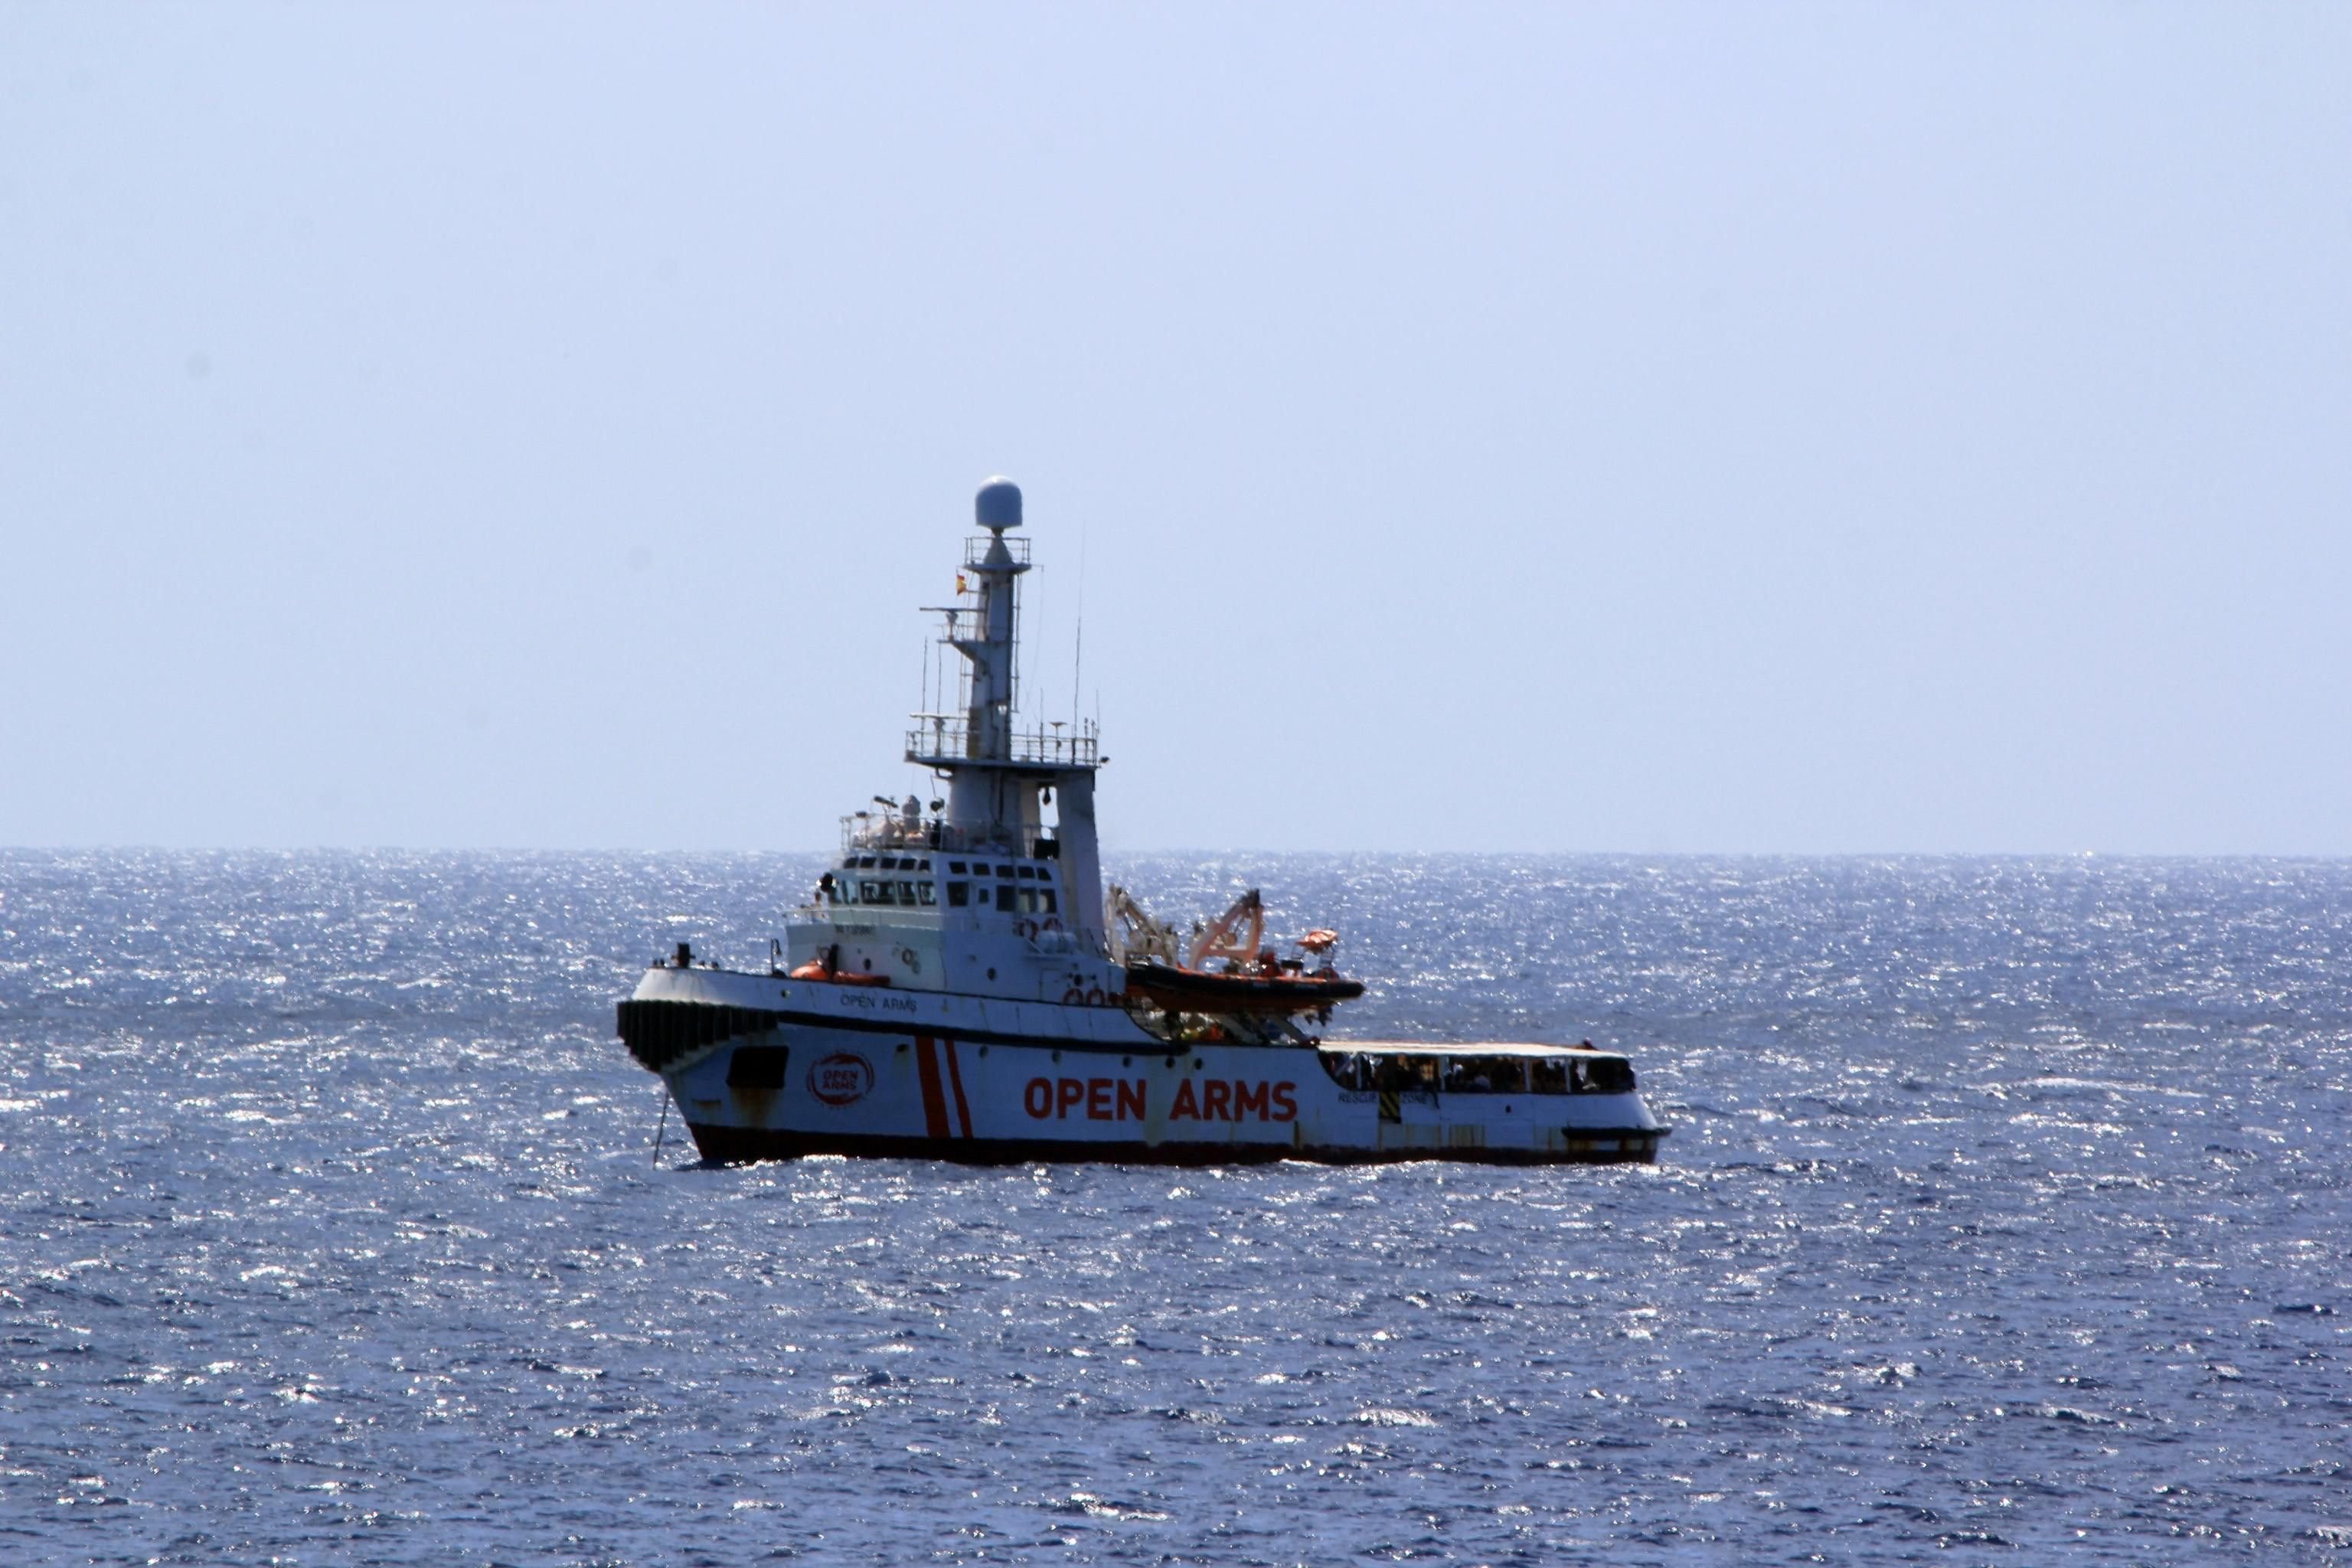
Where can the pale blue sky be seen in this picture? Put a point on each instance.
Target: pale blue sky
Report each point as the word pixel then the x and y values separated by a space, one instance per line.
pixel 1638 427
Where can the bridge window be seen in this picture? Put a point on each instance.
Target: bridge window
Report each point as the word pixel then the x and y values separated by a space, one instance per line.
pixel 959 895
pixel 907 895
pixel 929 892
pixel 1005 900
pixel 873 892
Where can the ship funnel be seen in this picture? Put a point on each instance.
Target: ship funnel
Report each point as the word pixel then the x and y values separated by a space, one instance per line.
pixel 998 505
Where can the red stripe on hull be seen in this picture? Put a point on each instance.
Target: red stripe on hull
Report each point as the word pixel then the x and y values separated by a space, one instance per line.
pixel 737 1145
pixel 935 1105
pixel 955 1082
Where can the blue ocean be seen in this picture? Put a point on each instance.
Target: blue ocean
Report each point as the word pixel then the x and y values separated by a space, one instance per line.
pixel 2005 1221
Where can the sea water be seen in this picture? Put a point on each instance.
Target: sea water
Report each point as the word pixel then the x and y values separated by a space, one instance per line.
pixel 2005 1220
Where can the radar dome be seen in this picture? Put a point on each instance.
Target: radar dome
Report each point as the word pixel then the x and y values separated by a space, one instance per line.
pixel 998 505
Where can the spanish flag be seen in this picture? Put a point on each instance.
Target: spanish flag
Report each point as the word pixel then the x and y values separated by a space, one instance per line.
pixel 960 587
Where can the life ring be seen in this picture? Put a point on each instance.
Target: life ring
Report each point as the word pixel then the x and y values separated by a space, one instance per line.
pixel 1027 929
pixel 1072 996
pixel 1052 922
pixel 1094 996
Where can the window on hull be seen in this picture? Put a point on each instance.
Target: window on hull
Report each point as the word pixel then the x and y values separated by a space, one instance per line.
pixel 1484 1075
pixel 1606 1075
pixel 1416 1074
pixel 758 1067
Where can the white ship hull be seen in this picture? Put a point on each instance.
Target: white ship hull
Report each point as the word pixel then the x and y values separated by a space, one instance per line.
pixel 767 1068
pixel 959 984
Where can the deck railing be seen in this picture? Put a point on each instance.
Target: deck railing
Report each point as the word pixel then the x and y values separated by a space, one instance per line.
pixel 874 830
pixel 945 740
pixel 977 546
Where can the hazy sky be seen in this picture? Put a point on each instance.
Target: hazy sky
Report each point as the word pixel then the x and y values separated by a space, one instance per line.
pixel 1726 427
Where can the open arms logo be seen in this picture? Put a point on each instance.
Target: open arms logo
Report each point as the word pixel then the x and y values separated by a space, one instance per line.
pixel 840 1079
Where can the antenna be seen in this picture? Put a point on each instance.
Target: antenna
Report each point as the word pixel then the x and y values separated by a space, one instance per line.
pixel 1079 653
pixel 1038 624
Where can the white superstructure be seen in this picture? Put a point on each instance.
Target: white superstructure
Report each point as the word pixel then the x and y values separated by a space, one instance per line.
pixel 954 987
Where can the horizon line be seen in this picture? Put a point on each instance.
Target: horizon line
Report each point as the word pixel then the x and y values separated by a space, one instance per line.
pixel 1620 854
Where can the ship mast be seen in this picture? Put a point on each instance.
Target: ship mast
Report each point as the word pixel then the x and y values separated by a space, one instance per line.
pixel 988 642
pixel 998 777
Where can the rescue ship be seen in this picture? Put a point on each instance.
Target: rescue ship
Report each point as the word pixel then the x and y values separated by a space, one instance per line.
pixel 960 986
